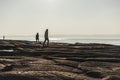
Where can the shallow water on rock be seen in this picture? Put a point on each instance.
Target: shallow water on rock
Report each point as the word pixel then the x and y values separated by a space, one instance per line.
pixel 11 50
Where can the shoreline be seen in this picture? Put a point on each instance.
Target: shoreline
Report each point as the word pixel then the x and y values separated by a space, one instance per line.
pixel 60 42
pixel 114 40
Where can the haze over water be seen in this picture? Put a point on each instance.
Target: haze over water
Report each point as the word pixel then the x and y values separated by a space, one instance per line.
pixel 66 17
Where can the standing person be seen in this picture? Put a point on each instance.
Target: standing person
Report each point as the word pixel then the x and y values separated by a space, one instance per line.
pixel 37 37
pixel 3 37
pixel 46 38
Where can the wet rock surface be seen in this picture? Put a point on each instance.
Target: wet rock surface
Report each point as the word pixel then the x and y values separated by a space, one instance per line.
pixel 26 60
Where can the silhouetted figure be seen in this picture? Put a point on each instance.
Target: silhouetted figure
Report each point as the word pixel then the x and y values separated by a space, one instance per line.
pixel 3 37
pixel 46 38
pixel 37 37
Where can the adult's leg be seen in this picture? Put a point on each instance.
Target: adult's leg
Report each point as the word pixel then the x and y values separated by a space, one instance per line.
pixel 48 42
pixel 44 42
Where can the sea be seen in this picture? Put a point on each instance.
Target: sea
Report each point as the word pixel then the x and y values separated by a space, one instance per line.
pixel 104 39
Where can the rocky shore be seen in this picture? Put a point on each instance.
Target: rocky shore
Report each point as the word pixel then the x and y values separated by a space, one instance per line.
pixel 26 60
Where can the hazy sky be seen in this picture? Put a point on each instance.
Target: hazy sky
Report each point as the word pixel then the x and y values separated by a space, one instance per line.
pixel 76 17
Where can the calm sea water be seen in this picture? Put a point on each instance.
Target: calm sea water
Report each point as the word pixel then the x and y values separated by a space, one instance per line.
pixel 115 40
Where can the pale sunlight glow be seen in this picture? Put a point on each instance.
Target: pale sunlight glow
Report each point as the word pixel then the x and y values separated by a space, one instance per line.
pixel 69 17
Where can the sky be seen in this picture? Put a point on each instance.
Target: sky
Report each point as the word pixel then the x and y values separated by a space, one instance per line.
pixel 66 17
